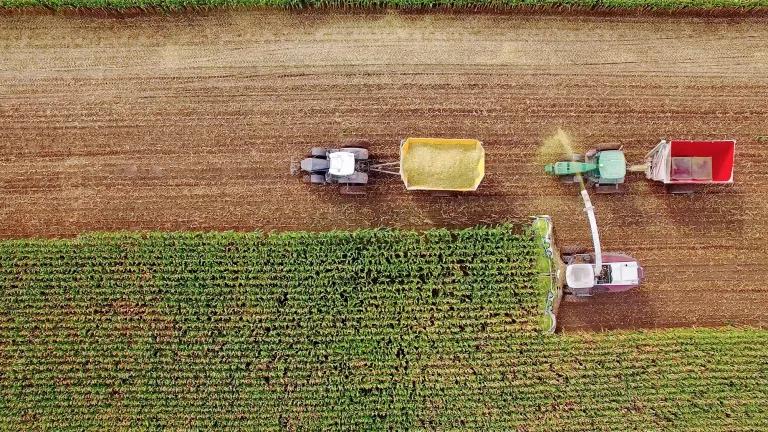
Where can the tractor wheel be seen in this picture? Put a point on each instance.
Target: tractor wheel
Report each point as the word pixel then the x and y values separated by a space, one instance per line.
pixel 361 154
pixel 350 189
pixel 573 250
pixel 608 146
pixel 317 179
pixel 680 189
pixel 318 152
pixel 356 142
pixel 608 189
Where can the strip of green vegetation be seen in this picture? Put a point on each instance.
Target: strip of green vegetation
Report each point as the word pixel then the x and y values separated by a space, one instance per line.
pixel 370 330
pixel 459 4
pixel 545 266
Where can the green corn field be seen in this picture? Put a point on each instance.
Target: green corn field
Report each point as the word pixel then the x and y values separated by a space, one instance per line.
pixel 420 4
pixel 365 330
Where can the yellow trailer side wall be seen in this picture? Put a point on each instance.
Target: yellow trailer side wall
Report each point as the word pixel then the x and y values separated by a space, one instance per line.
pixel 442 164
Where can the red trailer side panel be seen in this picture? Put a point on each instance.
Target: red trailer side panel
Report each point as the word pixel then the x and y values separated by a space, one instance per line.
pixel 721 152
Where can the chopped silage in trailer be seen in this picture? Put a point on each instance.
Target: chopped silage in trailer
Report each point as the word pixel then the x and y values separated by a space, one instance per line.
pixel 442 164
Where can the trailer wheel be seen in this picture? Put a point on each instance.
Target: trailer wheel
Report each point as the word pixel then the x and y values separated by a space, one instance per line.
pixel 680 189
pixel 609 189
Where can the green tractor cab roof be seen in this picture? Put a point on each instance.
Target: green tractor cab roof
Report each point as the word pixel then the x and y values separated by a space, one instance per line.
pixel 612 164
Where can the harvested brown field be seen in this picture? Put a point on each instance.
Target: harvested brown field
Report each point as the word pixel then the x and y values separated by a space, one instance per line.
pixel 184 122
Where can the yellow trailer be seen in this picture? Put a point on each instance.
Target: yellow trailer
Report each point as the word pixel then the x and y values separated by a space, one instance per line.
pixel 442 164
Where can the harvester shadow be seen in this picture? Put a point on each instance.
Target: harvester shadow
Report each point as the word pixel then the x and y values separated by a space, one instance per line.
pixel 627 310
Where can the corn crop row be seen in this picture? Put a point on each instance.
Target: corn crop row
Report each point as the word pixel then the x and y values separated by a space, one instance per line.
pixel 420 4
pixel 369 330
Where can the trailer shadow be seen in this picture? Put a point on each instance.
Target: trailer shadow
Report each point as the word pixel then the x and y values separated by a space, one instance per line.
pixel 711 208
pixel 488 205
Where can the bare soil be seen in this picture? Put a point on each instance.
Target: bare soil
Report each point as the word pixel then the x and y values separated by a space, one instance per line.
pixel 185 122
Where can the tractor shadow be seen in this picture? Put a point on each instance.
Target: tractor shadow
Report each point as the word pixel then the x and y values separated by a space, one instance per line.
pixel 497 200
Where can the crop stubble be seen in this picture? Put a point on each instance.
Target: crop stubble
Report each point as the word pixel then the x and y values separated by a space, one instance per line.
pixel 189 122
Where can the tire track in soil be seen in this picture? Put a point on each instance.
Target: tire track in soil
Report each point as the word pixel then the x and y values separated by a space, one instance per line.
pixel 189 122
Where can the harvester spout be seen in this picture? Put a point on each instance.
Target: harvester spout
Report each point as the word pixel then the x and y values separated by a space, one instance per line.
pixel 595 235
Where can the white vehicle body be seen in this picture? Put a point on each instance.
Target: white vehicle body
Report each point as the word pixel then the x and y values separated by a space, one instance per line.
pixel 581 276
pixel 342 163
pixel 659 162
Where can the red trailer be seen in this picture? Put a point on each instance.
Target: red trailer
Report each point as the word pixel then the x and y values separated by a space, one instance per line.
pixel 683 164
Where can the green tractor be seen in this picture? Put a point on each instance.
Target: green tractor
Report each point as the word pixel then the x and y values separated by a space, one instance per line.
pixel 604 167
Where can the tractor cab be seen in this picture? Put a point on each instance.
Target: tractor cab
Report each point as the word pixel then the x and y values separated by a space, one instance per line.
pixel 611 166
pixel 341 163
pixel 604 167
